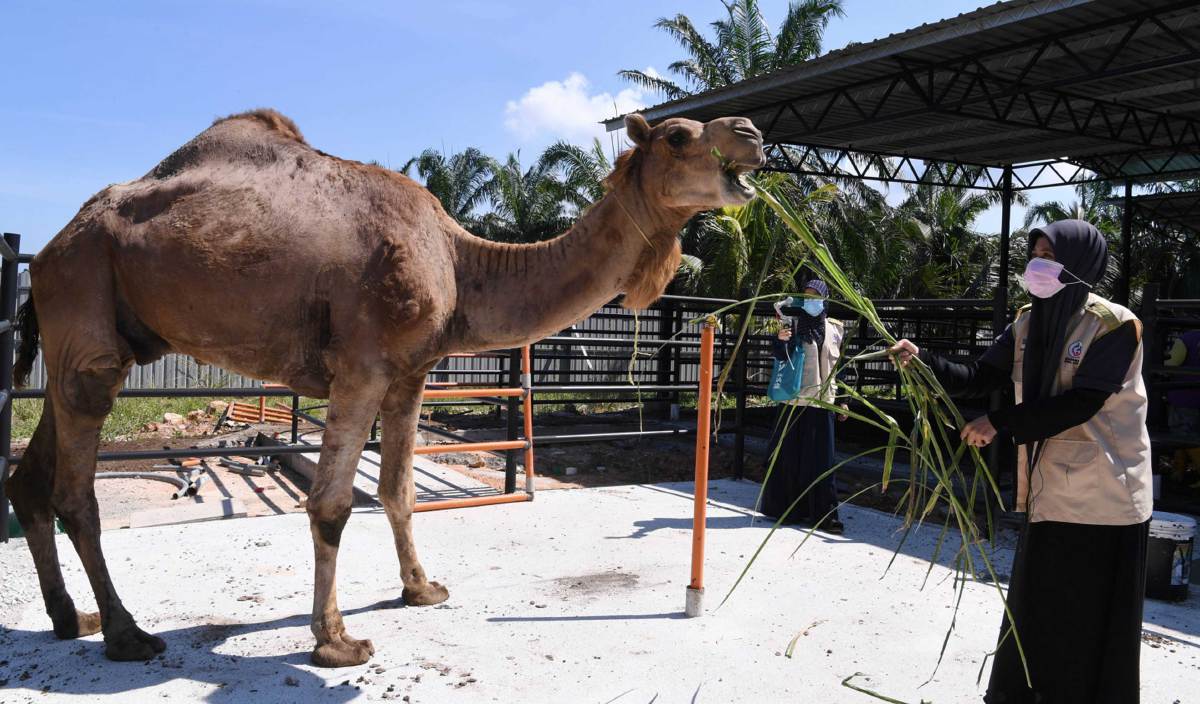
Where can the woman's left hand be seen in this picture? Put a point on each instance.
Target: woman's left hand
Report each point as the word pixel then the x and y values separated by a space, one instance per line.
pixel 843 416
pixel 979 432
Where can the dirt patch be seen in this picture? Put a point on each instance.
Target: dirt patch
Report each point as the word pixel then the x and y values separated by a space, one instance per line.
pixel 599 583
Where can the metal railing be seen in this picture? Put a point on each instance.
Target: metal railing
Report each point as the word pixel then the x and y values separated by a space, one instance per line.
pixel 10 247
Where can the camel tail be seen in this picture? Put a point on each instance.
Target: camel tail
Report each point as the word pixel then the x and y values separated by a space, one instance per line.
pixel 27 328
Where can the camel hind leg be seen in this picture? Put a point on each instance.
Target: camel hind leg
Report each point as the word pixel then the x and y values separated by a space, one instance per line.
pixel 86 362
pixel 30 489
pixel 82 398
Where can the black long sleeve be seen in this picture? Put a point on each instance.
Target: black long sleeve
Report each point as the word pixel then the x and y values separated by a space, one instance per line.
pixel 972 380
pixel 1047 417
pixel 979 378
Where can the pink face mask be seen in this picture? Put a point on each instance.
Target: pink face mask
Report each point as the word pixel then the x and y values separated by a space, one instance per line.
pixel 1042 277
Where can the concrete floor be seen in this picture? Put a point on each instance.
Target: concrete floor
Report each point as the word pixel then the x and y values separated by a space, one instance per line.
pixel 576 597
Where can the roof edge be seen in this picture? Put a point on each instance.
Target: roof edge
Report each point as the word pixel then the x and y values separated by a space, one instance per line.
pixel 980 19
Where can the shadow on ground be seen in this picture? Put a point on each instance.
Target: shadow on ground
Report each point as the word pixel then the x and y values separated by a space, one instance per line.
pixel 46 664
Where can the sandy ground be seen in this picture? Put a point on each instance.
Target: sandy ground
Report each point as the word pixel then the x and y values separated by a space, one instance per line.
pixel 576 597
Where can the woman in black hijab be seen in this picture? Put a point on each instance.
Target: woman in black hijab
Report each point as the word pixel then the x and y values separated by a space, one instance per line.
pixel 1083 478
pixel 803 436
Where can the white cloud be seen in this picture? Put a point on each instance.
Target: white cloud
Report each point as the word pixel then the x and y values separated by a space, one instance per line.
pixel 568 110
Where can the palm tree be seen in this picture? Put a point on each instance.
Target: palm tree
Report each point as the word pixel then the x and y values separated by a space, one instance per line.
pixel 582 171
pixel 743 47
pixel 956 260
pixel 459 182
pixel 1095 205
pixel 874 243
pixel 527 205
pixel 727 250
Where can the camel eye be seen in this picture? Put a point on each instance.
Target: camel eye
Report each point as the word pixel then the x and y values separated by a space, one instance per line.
pixel 678 138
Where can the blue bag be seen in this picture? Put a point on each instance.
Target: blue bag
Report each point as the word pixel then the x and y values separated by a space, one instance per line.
pixel 787 376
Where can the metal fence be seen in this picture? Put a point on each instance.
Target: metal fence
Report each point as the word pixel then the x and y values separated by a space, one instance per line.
pixel 10 248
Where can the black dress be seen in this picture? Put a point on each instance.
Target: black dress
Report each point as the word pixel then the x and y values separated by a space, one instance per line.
pixel 1076 596
pixel 804 438
pixel 1076 590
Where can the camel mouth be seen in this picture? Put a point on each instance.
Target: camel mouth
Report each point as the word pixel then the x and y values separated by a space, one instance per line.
pixel 735 178
pixel 748 132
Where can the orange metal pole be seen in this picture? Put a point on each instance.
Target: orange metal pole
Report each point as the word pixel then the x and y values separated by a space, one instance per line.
pixel 471 393
pixel 527 410
pixel 262 409
pixel 470 447
pixel 466 503
pixel 694 605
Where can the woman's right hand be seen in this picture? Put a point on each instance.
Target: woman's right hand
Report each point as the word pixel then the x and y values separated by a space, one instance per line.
pixel 785 334
pixel 903 352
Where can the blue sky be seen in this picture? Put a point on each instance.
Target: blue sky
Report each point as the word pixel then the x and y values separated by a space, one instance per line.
pixel 93 93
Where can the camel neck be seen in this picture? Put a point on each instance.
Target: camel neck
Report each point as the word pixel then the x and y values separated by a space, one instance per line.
pixel 512 294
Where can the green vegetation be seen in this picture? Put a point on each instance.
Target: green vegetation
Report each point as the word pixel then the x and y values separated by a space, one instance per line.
pixel 128 415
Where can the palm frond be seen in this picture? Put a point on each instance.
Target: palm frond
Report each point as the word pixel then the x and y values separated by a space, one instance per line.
pixel 656 83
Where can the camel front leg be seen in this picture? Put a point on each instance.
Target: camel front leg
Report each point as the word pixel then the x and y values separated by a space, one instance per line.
pixel 351 411
pixel 401 410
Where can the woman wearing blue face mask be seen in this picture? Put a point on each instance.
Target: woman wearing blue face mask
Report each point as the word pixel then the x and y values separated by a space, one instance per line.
pixel 803 432
pixel 1083 479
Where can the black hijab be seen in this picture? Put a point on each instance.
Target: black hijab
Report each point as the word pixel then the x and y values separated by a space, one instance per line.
pixel 1082 251
pixel 809 328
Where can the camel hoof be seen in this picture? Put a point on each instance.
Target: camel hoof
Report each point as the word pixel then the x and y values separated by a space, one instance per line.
pixel 77 625
pixel 345 652
pixel 132 644
pixel 427 595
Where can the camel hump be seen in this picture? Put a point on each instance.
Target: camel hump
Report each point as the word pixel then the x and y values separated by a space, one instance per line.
pixel 256 136
pixel 272 120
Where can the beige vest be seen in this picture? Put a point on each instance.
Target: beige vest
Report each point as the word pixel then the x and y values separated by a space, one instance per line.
pixel 1097 472
pixel 818 367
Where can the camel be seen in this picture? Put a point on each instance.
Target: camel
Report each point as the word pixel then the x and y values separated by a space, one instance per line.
pixel 249 249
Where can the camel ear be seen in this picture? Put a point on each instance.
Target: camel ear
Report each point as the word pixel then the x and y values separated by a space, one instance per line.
pixel 637 129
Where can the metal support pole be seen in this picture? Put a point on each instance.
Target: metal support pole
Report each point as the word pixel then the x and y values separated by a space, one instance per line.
pixel 694 603
pixel 1152 345
pixel 662 360
pixel 1124 284
pixel 564 365
pixel 511 408
pixel 8 311
pixel 676 363
pixel 295 419
pixel 1000 299
pixel 739 414
pixel 527 414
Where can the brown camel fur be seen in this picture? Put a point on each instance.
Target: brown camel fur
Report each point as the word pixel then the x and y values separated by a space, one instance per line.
pixel 339 279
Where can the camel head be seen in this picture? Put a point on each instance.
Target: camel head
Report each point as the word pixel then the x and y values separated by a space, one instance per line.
pixel 687 165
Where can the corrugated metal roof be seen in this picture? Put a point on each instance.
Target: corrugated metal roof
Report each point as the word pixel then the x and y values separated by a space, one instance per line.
pixel 1178 208
pixel 1027 80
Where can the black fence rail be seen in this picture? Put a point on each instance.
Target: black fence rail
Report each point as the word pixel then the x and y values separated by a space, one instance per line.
pixel 10 248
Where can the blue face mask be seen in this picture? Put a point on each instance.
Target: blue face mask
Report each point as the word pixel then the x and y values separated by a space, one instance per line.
pixel 814 306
